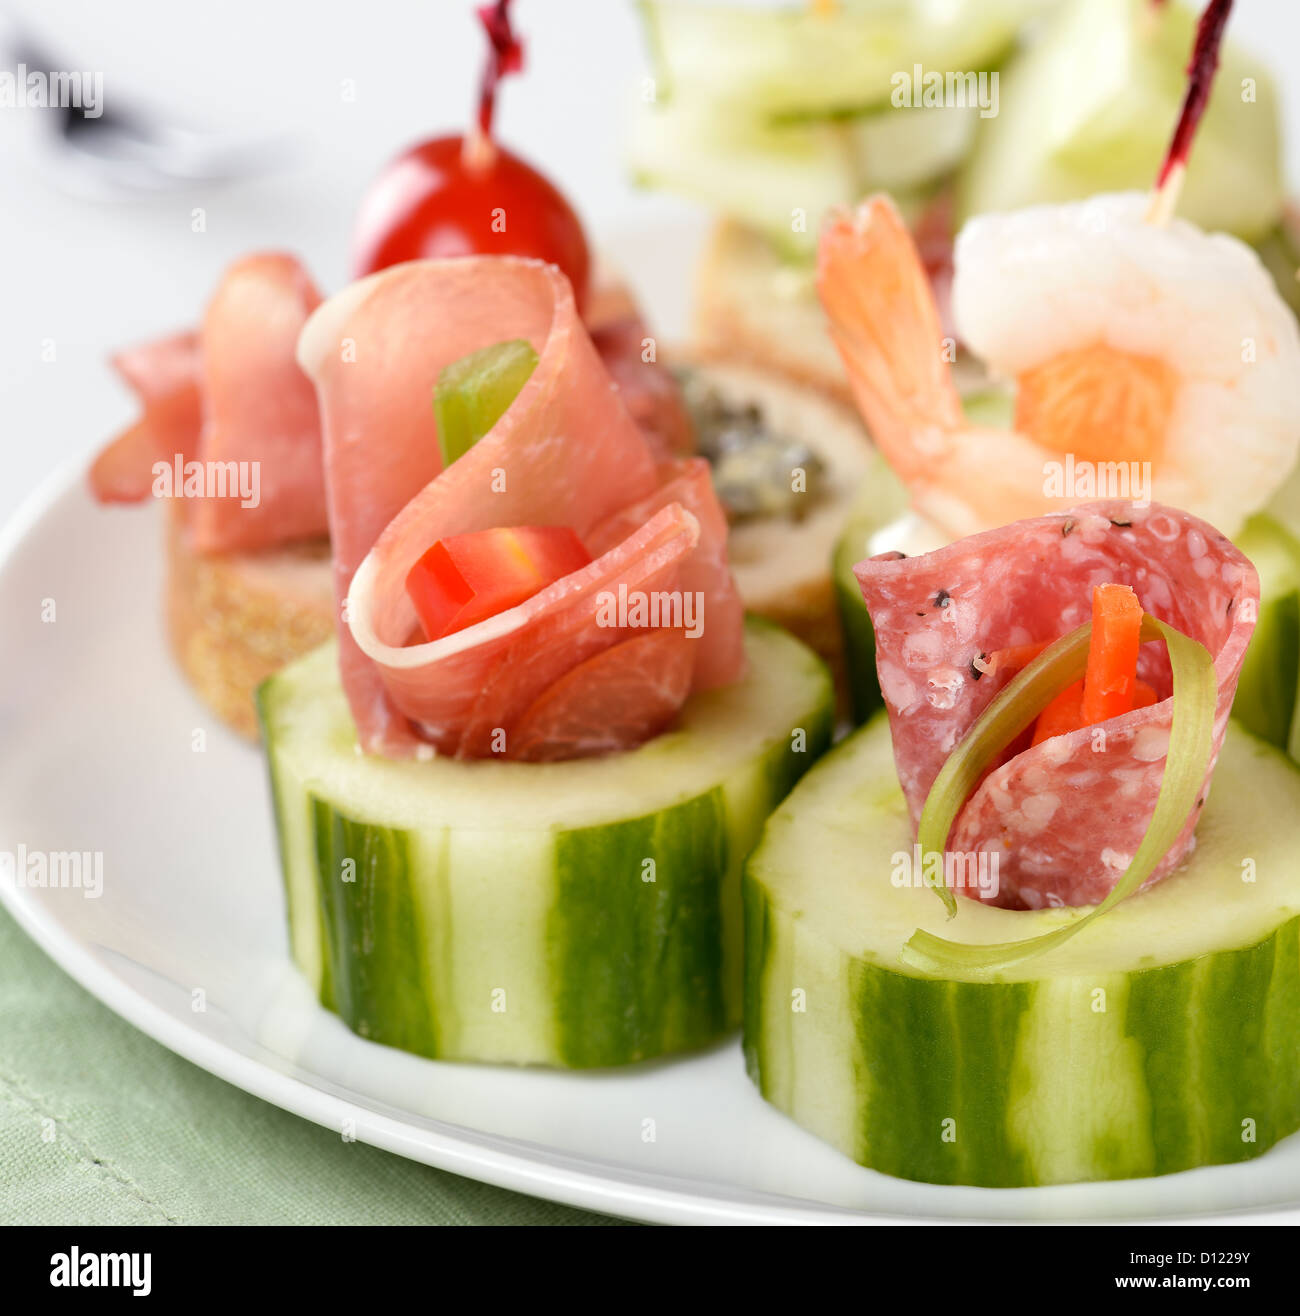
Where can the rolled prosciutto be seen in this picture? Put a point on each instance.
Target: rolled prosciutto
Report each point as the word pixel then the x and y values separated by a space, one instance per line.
pixel 569 671
pixel 228 400
pixel 232 394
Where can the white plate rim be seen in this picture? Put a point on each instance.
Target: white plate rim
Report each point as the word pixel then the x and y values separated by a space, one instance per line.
pixel 618 1191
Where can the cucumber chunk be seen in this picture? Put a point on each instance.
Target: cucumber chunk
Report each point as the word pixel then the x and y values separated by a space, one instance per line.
pixel 792 60
pixel 881 499
pixel 1267 693
pixel 584 913
pixel 782 178
pixel 1164 1037
pixel 1091 105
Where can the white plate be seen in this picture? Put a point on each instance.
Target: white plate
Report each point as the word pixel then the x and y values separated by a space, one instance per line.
pixel 98 732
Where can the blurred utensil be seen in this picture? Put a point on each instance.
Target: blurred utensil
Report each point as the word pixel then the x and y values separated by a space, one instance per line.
pixel 122 149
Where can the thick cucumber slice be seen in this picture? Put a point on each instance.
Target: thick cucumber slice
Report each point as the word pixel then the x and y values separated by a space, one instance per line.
pixel 793 60
pixel 881 499
pixel 1266 700
pixel 1090 108
pixel 1164 1037
pixel 781 178
pixel 583 913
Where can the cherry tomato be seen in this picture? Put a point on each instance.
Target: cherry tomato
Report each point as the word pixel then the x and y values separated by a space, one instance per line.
pixel 430 202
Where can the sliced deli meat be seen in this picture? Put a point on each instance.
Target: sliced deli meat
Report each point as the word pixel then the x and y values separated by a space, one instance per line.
pixel 650 390
pixel 474 684
pixel 259 409
pixel 1065 816
pixel 565 452
pixel 164 375
pixel 233 392
pixel 232 399
pixel 634 688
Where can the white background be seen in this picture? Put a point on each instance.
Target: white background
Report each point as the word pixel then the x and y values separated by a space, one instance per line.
pixel 96 275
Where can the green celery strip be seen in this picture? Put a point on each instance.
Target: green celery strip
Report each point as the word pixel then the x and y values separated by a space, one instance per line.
pixel 1010 713
pixel 1191 742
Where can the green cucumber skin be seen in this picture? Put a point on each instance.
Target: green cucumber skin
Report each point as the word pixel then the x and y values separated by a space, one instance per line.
pixel 859 640
pixel 1266 691
pixel 629 980
pixel 659 990
pixel 1258 1080
pixel 282 792
pixel 372 928
pixel 950 1054
pixel 615 969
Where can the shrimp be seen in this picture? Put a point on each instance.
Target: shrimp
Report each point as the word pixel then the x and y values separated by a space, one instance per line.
pixel 1132 347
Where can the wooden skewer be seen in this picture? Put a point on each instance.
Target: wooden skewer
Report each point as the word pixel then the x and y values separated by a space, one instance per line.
pixel 1200 78
pixel 1164 197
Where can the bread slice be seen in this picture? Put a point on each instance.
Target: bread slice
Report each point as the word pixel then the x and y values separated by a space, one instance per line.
pixel 235 618
pixel 752 305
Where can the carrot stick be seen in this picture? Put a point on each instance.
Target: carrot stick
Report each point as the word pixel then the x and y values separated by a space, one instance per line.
pixel 1143 695
pixel 1110 685
pixel 1112 653
pixel 1061 715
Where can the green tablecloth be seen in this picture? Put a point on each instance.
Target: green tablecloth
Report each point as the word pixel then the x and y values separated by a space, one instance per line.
pixel 101 1125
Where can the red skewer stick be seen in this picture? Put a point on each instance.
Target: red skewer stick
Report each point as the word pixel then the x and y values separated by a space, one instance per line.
pixel 1201 69
pixel 505 56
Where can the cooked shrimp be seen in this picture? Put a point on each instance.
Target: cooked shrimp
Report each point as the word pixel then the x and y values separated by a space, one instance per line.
pixel 1126 342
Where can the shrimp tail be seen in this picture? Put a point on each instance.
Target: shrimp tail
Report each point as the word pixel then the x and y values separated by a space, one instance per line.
pixel 886 326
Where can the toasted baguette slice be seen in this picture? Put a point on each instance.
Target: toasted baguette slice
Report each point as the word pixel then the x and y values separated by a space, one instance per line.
pixel 751 305
pixel 235 618
pixel 783 567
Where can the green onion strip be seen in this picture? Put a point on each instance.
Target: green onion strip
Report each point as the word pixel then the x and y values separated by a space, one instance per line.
pixel 1191 742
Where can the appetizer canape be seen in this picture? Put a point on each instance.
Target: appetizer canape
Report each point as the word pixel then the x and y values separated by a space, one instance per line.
pixel 773 118
pixel 514 801
pixel 1134 355
pixel 1118 993
pixel 230 434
